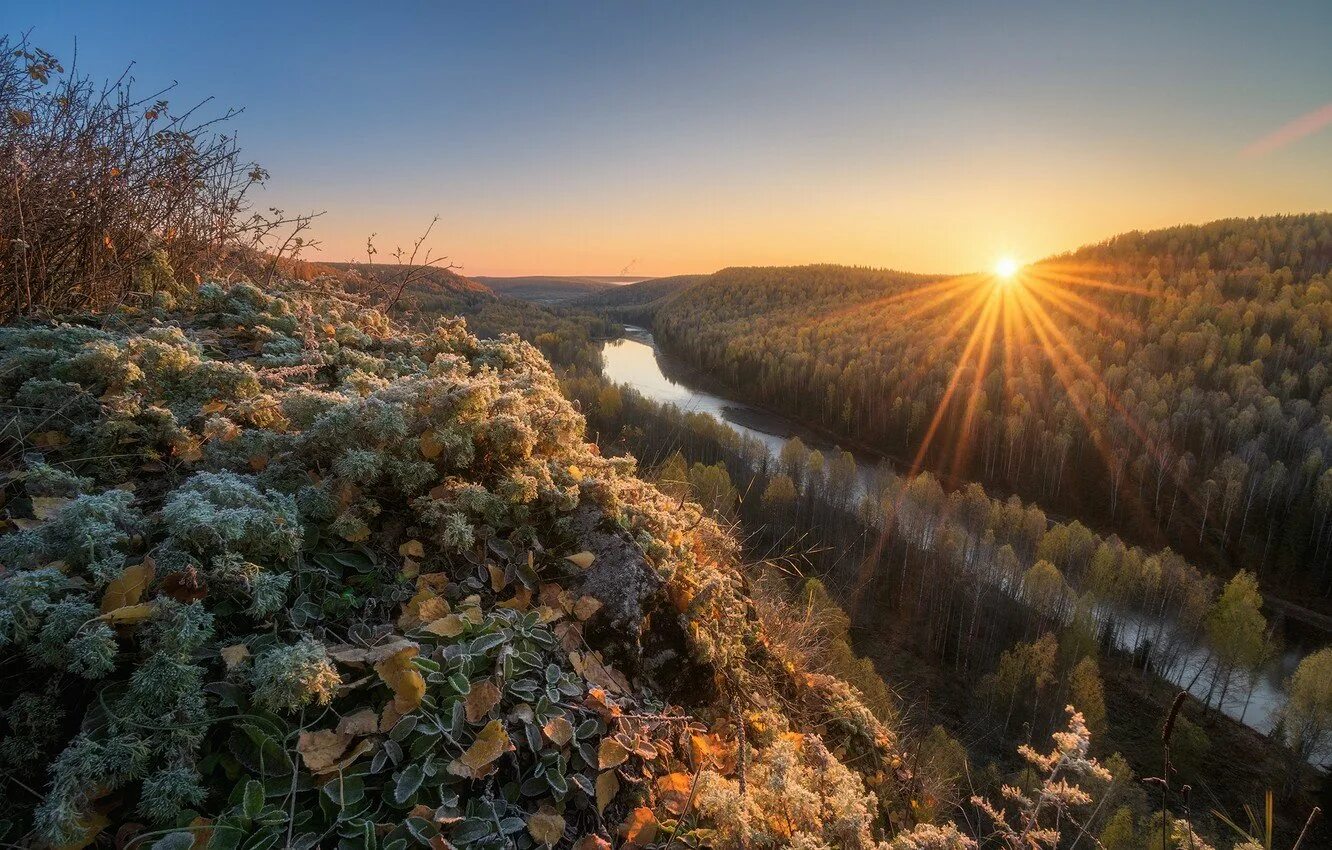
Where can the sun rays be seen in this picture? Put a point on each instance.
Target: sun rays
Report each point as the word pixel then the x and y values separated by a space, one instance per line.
pixel 1009 316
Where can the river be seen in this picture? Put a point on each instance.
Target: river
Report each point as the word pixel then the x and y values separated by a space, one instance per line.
pixel 634 360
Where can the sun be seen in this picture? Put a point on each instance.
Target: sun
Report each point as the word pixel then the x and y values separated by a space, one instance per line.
pixel 1006 268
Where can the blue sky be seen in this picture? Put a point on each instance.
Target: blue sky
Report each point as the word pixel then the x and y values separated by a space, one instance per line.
pixel 581 138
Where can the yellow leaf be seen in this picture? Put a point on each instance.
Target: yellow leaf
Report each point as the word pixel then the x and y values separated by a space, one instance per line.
pixel 559 730
pixel 214 406
pixel 450 626
pixel 431 447
pixel 128 614
pixel 362 747
pixel 546 826
pixel 611 753
pixel 520 601
pixel 582 560
pixel 129 586
pixel 412 549
pixel 480 700
pixel 46 507
pixel 403 678
pixel 497 580
pixel 363 722
pixel 320 750
pixel 575 473
pixel 641 827
pixel 586 606
pixel 234 655
pixel 491 743
pixel 411 568
pixel 673 791
pixel 608 785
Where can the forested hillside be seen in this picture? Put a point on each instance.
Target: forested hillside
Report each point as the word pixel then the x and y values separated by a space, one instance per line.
pixel 550 289
pixel 1173 385
pixel 635 303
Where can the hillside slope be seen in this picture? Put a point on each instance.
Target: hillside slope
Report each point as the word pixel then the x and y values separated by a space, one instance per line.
pixel 277 570
pixel 636 303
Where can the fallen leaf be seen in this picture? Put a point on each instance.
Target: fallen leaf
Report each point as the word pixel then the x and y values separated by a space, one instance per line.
pixel 411 568
pixel 641 827
pixel 431 447
pixel 559 730
pixel 321 749
pixel 611 753
pixel 45 507
pixel 480 700
pixel 608 785
pixel 450 626
pixel 546 826
pixel 363 722
pixel 185 585
pixel 128 587
pixel 491 743
pixel 520 601
pixel 673 791
pixel 403 678
pixel 258 462
pixel 234 655
pixel 128 614
pixel 412 549
pixel 215 406
pixel 582 560
pixel 362 747
pixel 586 606
pixel 497 579
pixel 591 842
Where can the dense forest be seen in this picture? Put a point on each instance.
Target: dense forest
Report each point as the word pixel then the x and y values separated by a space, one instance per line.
pixel 1172 385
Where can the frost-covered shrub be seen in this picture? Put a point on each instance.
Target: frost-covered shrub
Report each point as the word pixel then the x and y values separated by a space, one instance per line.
pixel 214 513
pixel 89 533
pixel 286 473
pixel 285 678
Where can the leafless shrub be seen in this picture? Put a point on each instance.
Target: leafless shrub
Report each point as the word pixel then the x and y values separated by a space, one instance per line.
pixel 106 194
pixel 387 289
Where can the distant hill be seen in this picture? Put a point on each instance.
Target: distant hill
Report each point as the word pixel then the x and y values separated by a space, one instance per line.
pixel 553 289
pixel 429 283
pixel 635 303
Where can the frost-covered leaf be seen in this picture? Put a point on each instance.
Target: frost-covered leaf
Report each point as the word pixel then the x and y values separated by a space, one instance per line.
pixel 321 749
pixel 608 785
pixel 611 753
pixel 640 827
pixel 233 655
pixel 559 730
pixel 582 560
pixel 546 826
pixel 128 587
pixel 483 697
pixel 491 743
pixel 673 791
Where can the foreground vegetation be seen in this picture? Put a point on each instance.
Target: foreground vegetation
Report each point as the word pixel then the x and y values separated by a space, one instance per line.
pixel 285 572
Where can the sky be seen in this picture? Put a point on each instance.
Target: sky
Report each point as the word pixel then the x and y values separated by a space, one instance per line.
pixel 679 137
